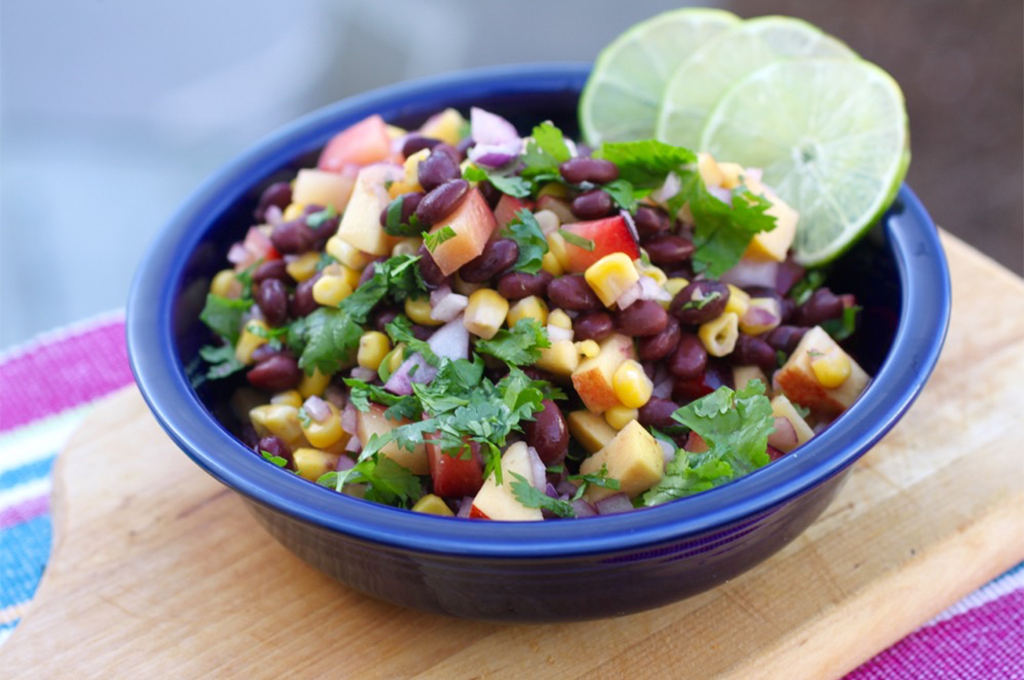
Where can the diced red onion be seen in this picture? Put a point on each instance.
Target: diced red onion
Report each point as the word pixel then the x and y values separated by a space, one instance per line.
pixel 540 473
pixel 345 463
pixel 465 507
pixel 631 225
pixel 650 290
pixel 748 273
pixel 759 316
pixel 413 369
pixel 753 173
pixel 583 508
pixel 786 276
pixel 573 149
pixel 630 295
pixel 364 374
pixel 549 490
pixel 667 190
pixel 450 340
pixel 349 418
pixel 721 193
pixel 354 445
pixel 446 305
pixel 273 215
pixel 238 253
pixel 784 438
pixel 317 409
pixel 557 333
pixel 490 128
pixel 494 155
pixel 668 450
pixel 566 487
pixel 614 504
pixel 663 389
pixel 335 395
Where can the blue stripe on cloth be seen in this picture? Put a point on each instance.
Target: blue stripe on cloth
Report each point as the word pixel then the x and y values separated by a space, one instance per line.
pixel 24 550
pixel 26 473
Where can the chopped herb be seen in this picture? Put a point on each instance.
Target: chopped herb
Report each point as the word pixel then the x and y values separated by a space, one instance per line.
pixel 326 260
pixel 400 407
pixel 702 302
pixel 315 220
pixel 600 479
pixel 622 193
pixel 222 361
pixel 394 225
pixel 544 152
pixel 400 330
pixel 519 345
pixel 304 418
pixel 551 141
pixel 433 240
pixel 276 460
pixel 576 240
pixel 531 497
pixel 387 481
pixel 843 327
pixel 527 234
pixel 781 357
pixel 513 185
pixel 271 335
pixel 802 410
pixel 224 315
pixel 812 280
pixel 645 164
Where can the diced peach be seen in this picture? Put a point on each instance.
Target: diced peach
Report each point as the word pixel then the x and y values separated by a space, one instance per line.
pixel 318 187
pixel 609 235
pixel 360 225
pixel 797 380
pixel 772 245
pixel 590 430
pixel 496 501
pixel 373 422
pixel 633 457
pixel 559 206
pixel 508 206
pixel 473 222
pixel 593 378
pixel 364 143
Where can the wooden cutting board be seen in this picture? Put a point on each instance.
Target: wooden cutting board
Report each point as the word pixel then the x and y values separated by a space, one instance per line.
pixel 158 571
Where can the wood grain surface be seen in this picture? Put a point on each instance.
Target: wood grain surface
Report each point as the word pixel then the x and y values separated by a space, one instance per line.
pixel 158 571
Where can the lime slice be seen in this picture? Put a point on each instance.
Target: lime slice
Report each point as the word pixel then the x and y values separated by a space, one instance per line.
pixel 621 98
pixel 698 83
pixel 832 138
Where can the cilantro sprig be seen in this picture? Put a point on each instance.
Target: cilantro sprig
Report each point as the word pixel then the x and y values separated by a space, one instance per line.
pixel 526 232
pixel 519 345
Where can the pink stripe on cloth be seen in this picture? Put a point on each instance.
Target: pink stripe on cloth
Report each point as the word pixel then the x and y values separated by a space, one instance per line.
pixel 23 512
pixel 49 377
pixel 984 643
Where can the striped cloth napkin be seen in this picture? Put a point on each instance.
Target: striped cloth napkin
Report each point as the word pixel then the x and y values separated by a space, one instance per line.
pixel 49 385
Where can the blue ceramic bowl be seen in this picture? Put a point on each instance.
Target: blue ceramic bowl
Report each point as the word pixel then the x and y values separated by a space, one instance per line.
pixel 560 570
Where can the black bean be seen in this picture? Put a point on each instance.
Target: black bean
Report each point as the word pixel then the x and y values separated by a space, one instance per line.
pixel 642 318
pixel 273 269
pixel 657 413
pixel 439 167
pixel 450 150
pixel 279 194
pixel 785 338
pixel 668 249
pixel 547 433
pixel 292 238
pixel 579 170
pixel 275 446
pixel 302 302
pixel 369 270
pixel 409 203
pixel 572 292
pixel 651 221
pixel 822 306
pixel 685 390
pixel 441 201
pixel 592 205
pixel 490 194
pixel 689 358
pixel 464 146
pixel 517 285
pixel 278 373
pixel 265 351
pixel 497 257
pixel 593 326
pixel 700 301
pixel 431 273
pixel 751 351
pixel 272 298
pixel 324 229
pixel 659 346
pixel 415 143
pixel 422 332
pixel 383 317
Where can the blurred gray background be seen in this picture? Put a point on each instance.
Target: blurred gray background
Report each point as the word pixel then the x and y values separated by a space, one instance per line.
pixel 111 111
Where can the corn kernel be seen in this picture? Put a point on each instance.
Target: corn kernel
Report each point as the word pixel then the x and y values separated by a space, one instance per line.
pixel 397 357
pixel 731 174
pixel 611 276
pixel 561 358
pixel 329 291
pixel 444 126
pixel 412 169
pixel 465 287
pixel 762 315
pixel 719 335
pixel 293 212
pixel 831 371
pixel 406 246
pixel 555 189
pixel 347 254
pixel 252 336
pixel 289 398
pixel 433 505
pixel 394 132
pixel 326 433
pixel 418 310
pixel 278 420
pixel 485 313
pixel 556 248
pixel 313 463
pixel 313 384
pixel 530 307
pixel 226 284
pixel 651 271
pixel 560 319
pixel 548 221
pixel 675 284
pixel 738 302
pixel 620 416
pixel 373 347
pixel 588 348
pixel 349 275
pixel 632 386
pixel 304 266
pixel 551 265
pixel 709 170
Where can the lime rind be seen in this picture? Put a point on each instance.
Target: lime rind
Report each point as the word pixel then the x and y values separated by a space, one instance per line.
pixel 832 138
pixel 700 80
pixel 621 99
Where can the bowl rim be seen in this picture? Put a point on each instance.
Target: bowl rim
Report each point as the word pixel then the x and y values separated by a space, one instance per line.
pixel 924 318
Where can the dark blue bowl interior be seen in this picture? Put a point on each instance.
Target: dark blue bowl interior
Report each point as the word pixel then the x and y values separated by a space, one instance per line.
pixel 898 273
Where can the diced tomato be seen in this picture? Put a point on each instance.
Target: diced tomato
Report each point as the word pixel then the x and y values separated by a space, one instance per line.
pixel 364 143
pixel 256 247
pixel 477 513
pixel 454 476
pixel 507 208
pixel 609 235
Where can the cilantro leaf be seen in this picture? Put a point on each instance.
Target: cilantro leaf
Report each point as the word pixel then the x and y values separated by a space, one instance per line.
pixel 544 152
pixel 400 407
pixel 433 239
pixel 843 327
pixel 526 232
pixel 387 481
pixel 622 193
pixel 276 460
pixel 551 141
pixel 735 426
pixel 224 315
pixel 812 280
pixel 513 185
pixel 600 479
pixel 317 219
pixel 394 225
pixel 518 346
pixel 645 164
pixel 577 240
pixel 222 360
pixel 400 330
pixel 531 497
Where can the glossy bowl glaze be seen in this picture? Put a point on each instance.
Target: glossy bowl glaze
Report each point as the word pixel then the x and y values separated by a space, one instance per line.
pixel 558 570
